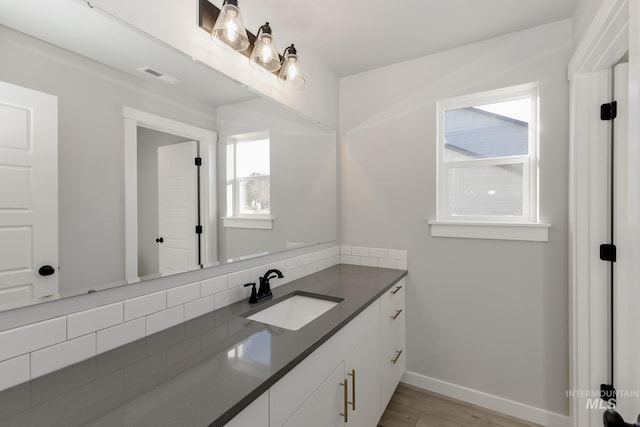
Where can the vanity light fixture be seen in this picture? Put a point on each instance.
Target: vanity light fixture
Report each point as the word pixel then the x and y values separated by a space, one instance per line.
pixel 291 72
pixel 226 27
pixel 264 51
pixel 229 28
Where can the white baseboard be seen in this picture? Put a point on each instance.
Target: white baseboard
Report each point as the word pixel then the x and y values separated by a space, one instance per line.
pixel 495 403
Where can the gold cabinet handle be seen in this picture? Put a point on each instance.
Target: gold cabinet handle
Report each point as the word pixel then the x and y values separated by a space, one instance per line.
pixel 395 359
pixel 352 374
pixel 345 414
pixel 395 316
pixel 396 290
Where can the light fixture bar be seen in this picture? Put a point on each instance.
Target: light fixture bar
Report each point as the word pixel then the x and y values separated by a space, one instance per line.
pixel 207 15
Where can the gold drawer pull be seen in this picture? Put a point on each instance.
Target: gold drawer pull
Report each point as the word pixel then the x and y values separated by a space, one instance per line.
pixel 396 290
pixel 395 316
pixel 395 359
pixel 346 408
pixel 352 374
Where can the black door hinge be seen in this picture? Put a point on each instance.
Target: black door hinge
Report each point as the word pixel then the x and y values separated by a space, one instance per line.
pixel 198 229
pixel 608 252
pixel 198 161
pixel 609 111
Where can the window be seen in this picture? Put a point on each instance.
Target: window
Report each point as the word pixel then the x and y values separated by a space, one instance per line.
pixel 248 181
pixel 488 158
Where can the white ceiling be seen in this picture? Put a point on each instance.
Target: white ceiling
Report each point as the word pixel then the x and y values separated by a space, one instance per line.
pixel 352 36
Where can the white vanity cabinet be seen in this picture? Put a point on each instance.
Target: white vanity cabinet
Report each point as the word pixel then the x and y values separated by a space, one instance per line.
pixel 393 360
pixel 317 391
pixel 254 415
pixel 348 380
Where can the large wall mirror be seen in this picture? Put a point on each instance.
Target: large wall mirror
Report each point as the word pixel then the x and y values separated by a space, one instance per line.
pixel 121 159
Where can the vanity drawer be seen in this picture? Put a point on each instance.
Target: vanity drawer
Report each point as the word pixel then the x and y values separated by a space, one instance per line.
pixel 392 340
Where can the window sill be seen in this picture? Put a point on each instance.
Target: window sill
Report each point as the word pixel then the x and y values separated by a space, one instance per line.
pixel 533 232
pixel 245 222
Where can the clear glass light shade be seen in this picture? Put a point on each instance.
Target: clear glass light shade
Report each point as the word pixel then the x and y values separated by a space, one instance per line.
pixel 265 52
pixel 291 72
pixel 229 28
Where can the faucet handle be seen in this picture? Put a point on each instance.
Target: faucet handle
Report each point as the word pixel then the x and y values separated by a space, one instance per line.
pixel 254 296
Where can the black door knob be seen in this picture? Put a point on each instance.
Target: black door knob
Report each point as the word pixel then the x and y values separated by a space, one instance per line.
pixel 159 240
pixel 46 270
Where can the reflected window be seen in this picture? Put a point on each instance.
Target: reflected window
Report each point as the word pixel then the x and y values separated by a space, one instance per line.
pixel 487 156
pixel 248 176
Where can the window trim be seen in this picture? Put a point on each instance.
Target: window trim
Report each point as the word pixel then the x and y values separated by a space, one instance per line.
pixel 445 223
pixel 236 220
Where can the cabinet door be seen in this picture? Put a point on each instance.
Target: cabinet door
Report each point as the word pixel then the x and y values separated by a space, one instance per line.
pixel 393 360
pixel 254 415
pixel 363 373
pixel 326 406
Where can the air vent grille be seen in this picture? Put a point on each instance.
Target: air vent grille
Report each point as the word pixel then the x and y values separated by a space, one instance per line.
pixel 159 75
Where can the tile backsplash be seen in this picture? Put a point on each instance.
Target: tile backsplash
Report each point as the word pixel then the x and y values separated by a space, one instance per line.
pixel 374 257
pixel 30 351
pixel 34 350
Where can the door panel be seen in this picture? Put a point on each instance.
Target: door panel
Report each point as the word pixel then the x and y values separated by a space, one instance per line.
pixel 177 207
pixel 28 194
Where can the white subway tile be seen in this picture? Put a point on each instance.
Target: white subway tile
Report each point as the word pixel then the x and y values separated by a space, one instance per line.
pixel 198 307
pixel 88 321
pixel 257 272
pixel 387 263
pixel 304 259
pixel 18 341
pixel 334 260
pixel 402 265
pixel 368 261
pixel 226 298
pixel 183 294
pixel 359 251
pixel 14 371
pixel 323 263
pixel 238 278
pixel 311 268
pixel 213 285
pixel 350 259
pixel 165 319
pixel 334 251
pixel 378 252
pixel 120 335
pixel 293 263
pixel 144 305
pixel 319 255
pixel 345 250
pixel 397 254
pixel 60 355
pixel 279 265
pixel 296 273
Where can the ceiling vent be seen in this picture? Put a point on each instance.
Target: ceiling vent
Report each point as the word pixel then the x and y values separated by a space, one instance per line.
pixel 159 75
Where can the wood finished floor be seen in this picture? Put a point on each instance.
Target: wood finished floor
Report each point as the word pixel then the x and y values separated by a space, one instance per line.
pixel 413 407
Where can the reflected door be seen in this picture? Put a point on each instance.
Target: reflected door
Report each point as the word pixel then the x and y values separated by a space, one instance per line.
pixel 28 195
pixel 177 207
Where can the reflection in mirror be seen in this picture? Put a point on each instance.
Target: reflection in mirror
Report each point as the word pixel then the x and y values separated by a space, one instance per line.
pixel 97 79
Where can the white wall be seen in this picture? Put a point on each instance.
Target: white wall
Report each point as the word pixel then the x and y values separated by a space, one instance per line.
pixel 488 315
pixel 176 23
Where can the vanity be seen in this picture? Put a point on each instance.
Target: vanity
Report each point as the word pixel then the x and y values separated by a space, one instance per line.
pixel 224 369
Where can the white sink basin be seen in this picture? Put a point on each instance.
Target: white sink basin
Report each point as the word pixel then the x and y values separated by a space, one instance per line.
pixel 295 311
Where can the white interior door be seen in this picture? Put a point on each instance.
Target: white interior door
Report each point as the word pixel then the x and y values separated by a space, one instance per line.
pixel 28 195
pixel 627 268
pixel 178 207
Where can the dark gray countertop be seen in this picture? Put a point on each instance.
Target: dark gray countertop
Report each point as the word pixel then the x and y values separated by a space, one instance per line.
pixel 199 373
